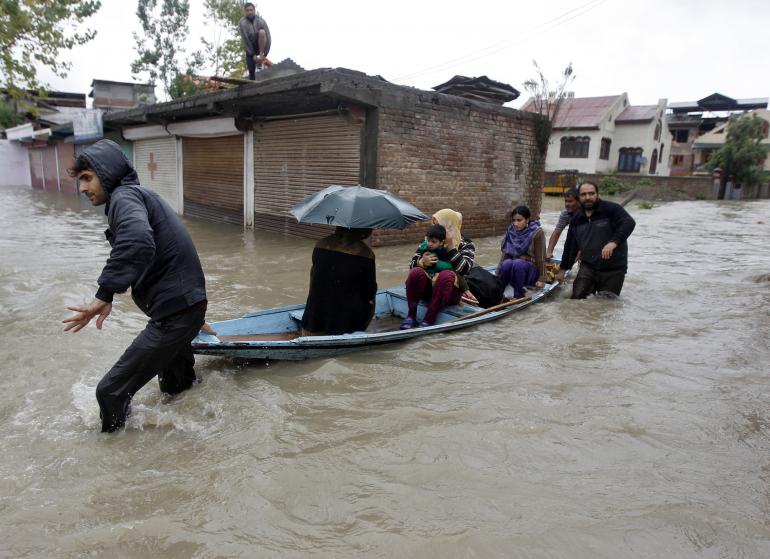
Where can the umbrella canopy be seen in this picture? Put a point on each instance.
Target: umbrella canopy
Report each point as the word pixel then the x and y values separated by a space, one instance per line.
pixel 357 207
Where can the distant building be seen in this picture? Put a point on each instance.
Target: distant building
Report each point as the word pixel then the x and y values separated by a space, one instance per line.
pixel 48 155
pixel 690 120
pixel 109 95
pixel 607 134
pixel 62 126
pixel 704 146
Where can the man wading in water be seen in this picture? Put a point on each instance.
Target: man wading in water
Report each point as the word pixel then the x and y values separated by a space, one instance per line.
pixel 599 232
pixel 153 254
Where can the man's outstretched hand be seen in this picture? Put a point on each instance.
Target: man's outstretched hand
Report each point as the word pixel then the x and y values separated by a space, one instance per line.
pixel 97 307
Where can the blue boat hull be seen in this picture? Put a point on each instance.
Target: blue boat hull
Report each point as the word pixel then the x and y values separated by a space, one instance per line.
pixel 275 334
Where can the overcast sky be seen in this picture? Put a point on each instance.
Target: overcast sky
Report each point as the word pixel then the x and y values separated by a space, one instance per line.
pixel 682 50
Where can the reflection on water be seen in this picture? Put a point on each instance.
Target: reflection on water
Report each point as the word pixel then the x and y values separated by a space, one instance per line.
pixel 635 427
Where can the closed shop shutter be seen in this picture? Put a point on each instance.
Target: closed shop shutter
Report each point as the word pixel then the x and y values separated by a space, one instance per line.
pixel 156 167
pixel 298 157
pixel 36 167
pixel 66 159
pixel 50 168
pixel 213 178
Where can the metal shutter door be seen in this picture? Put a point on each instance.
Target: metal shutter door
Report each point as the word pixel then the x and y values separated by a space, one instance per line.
pixel 50 168
pixel 36 167
pixel 298 157
pixel 156 167
pixel 213 178
pixel 66 154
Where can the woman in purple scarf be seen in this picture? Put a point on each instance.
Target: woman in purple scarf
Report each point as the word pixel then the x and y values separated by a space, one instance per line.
pixel 523 259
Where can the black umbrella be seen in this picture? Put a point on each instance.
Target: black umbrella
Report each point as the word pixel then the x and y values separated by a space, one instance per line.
pixel 357 207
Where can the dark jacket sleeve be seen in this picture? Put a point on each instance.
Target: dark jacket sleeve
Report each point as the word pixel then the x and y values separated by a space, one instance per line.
pixel 570 251
pixel 133 246
pixel 622 223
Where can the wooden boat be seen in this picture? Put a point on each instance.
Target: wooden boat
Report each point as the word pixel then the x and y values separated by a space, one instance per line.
pixel 275 334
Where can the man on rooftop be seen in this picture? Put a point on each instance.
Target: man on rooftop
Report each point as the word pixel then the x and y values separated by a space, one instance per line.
pixel 255 35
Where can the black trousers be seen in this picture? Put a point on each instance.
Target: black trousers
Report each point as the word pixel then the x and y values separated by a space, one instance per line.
pixel 250 64
pixel 163 349
pixel 590 281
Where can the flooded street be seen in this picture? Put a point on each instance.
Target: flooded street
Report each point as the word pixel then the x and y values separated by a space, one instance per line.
pixel 629 428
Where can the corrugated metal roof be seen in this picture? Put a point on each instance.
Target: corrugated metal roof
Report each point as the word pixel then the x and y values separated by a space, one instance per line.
pixel 581 112
pixel 640 113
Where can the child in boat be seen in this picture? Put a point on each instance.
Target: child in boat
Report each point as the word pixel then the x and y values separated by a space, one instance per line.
pixel 433 244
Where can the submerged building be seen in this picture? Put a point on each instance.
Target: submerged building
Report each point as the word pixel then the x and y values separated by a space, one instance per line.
pixel 247 154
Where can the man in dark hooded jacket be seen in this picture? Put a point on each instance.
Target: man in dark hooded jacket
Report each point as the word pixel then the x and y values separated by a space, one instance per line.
pixel 153 254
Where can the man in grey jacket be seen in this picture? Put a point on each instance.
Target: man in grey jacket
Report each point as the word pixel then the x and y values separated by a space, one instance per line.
pixel 255 35
pixel 153 254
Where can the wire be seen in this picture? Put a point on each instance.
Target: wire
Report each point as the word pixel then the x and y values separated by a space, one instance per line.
pixel 561 19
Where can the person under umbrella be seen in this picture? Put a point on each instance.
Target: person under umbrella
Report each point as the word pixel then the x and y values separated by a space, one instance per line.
pixel 343 282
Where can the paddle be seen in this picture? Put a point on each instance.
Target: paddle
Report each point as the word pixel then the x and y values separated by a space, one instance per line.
pixel 491 309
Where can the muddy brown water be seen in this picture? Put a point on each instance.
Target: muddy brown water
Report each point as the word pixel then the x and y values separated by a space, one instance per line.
pixel 629 428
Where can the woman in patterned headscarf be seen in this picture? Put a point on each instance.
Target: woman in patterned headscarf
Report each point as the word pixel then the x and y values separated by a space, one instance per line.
pixel 444 289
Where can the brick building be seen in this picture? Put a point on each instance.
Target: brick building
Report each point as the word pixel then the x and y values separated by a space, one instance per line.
pixel 247 154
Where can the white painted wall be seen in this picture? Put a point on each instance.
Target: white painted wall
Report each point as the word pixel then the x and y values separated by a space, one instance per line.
pixel 14 164
pixel 643 135
pixel 591 164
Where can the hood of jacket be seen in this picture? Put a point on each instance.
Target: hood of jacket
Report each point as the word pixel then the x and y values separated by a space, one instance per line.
pixel 110 164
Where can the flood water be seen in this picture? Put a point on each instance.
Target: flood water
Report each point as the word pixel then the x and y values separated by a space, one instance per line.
pixel 629 428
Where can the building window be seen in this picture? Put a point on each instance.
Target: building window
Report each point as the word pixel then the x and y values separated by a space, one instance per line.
pixel 630 160
pixel 572 147
pixel 677 159
pixel 657 132
pixel 660 157
pixel 604 152
pixel 681 136
pixel 654 162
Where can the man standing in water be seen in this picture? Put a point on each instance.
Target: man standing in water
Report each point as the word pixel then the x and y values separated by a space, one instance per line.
pixel 571 207
pixel 153 254
pixel 599 232
pixel 255 35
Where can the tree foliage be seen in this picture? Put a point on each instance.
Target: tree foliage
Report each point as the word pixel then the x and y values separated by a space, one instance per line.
pixel 10 116
pixel 160 45
pixel 547 101
pixel 222 51
pixel 742 154
pixel 34 32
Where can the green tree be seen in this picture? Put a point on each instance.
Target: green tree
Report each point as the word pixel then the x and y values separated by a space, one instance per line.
pixel 222 51
pixel 546 101
pixel 10 116
pixel 742 155
pixel 159 46
pixel 34 32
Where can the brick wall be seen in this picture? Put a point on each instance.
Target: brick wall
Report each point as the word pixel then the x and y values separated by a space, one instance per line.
pixel 440 152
